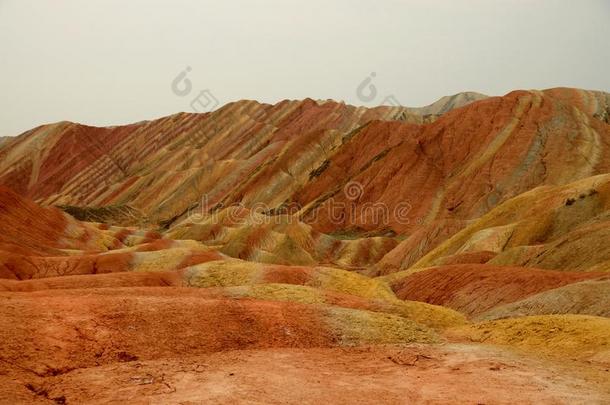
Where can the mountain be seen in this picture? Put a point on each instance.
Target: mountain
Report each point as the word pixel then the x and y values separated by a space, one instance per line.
pixel 471 235
pixel 303 154
pixel 4 140
pixel 448 103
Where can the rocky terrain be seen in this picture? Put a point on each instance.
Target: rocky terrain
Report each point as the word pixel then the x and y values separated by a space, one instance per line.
pixel 312 251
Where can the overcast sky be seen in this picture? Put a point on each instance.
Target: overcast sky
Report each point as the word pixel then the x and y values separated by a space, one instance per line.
pixel 113 62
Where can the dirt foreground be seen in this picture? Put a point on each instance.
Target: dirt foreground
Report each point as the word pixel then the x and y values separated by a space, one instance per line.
pixel 450 373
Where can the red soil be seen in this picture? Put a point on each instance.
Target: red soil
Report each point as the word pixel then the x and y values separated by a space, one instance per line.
pixel 124 279
pixel 81 328
pixel 158 244
pixel 68 329
pixel 476 288
pixel 390 374
pixel 200 257
pixel 27 267
pixel 286 274
pixel 28 227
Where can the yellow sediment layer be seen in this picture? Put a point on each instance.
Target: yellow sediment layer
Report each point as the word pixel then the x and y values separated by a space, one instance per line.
pixel 350 283
pixel 574 335
pixel 159 260
pixel 225 273
pixel 433 316
pixel 279 239
pixel 543 213
pixel 361 327
pixel 278 292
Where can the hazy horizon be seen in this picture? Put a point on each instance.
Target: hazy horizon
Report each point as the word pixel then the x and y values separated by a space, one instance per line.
pixel 111 63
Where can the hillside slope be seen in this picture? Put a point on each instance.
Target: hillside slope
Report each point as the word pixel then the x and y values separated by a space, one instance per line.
pixel 278 251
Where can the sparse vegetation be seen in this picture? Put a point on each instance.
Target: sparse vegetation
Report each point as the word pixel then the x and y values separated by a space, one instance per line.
pixel 112 214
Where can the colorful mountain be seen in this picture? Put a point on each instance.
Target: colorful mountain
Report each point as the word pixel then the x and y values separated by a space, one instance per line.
pixel 276 250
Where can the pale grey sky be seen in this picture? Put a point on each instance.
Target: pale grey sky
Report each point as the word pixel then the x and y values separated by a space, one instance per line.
pixel 113 62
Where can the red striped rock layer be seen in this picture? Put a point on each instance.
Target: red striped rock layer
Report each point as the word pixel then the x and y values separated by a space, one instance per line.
pixel 473 289
pixel 146 163
pixel 457 167
pixel 38 242
pixel 448 172
pixel 281 239
pixel 464 163
pixel 563 228
pixel 27 228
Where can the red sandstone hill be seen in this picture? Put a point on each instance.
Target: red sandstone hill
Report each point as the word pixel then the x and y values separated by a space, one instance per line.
pixel 431 175
pixel 242 247
pixel 31 229
pixel 461 165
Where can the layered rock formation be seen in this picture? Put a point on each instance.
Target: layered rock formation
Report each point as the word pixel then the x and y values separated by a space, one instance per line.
pixel 287 231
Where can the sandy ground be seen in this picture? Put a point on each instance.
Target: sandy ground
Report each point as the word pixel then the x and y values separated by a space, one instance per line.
pixel 430 374
pixel 170 345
